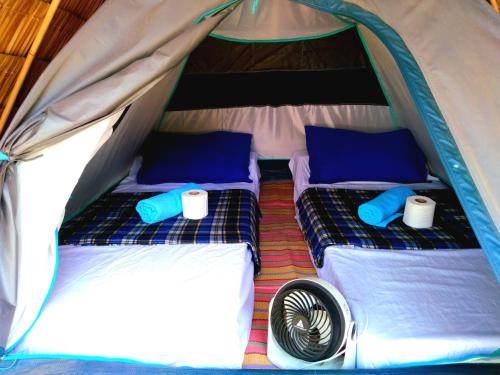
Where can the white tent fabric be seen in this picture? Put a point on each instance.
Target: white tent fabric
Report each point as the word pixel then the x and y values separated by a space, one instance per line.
pixel 278 131
pixel 129 47
pixel 401 101
pixel 113 160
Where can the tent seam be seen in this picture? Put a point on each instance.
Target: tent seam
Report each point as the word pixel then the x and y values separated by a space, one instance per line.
pixel 172 92
pixel 284 40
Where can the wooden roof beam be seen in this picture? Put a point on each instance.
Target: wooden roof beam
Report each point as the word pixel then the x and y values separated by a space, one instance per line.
pixel 27 63
pixel 495 4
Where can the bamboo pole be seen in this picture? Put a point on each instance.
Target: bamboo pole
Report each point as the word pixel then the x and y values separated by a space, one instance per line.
pixel 27 63
pixel 494 4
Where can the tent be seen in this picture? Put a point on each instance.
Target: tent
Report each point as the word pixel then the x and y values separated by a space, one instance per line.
pixel 77 131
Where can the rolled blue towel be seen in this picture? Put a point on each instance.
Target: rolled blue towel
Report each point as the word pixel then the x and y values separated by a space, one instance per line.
pixel 384 208
pixel 163 206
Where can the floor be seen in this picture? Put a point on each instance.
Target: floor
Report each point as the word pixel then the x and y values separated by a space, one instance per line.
pixel 284 257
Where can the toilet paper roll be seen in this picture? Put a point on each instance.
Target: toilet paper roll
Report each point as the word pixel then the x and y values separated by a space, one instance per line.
pixel 419 212
pixel 194 204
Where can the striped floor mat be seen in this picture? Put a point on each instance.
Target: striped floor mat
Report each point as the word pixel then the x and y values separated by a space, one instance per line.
pixel 284 257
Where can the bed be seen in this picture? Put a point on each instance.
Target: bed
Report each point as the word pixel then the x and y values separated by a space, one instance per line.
pixel 183 304
pixel 411 307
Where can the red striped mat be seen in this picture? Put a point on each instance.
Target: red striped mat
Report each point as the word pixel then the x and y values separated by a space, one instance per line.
pixel 284 257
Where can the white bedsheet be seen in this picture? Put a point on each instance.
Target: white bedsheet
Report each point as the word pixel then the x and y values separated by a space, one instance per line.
pixel 411 306
pixel 417 306
pixel 180 305
pixel 130 185
pixel 299 166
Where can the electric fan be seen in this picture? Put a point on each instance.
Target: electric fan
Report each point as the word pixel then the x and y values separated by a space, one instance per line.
pixel 310 327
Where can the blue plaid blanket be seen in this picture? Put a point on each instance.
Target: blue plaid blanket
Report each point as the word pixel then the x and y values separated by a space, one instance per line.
pixel 329 217
pixel 233 217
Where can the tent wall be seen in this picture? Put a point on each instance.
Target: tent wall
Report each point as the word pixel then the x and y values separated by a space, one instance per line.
pixel 279 131
pixel 114 59
pixel 112 161
pixel 272 90
pixel 40 185
pixel 400 98
pixel 455 43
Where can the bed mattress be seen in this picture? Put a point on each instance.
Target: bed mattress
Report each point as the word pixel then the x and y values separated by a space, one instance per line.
pixel 179 305
pixel 411 307
pixel 417 307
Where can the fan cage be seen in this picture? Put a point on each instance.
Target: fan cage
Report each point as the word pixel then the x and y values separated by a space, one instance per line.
pixel 307 322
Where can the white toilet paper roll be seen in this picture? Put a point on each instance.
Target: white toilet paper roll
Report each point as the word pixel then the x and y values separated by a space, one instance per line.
pixel 194 204
pixel 419 212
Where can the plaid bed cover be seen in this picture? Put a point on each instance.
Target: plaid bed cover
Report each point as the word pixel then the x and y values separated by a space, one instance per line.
pixel 329 217
pixel 233 217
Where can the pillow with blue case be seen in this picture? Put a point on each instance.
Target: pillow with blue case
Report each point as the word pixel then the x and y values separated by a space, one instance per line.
pixel 217 157
pixel 337 155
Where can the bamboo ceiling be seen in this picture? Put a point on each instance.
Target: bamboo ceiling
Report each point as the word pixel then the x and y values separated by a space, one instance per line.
pixel 20 21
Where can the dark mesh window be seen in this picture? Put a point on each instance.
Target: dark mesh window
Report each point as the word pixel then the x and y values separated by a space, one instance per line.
pixel 331 70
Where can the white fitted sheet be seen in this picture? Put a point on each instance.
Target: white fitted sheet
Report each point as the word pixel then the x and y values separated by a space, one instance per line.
pixel 299 166
pixel 179 305
pixel 411 306
pixel 130 185
pixel 417 306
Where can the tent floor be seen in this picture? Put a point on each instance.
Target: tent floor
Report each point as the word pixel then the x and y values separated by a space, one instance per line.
pixel 284 256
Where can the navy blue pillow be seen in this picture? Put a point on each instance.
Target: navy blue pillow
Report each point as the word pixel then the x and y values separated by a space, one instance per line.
pixel 216 157
pixel 337 155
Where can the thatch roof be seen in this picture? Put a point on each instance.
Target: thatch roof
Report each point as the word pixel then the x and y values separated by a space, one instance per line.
pixel 20 22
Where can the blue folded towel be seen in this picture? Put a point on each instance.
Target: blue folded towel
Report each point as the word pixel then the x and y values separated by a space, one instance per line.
pixel 383 209
pixel 163 206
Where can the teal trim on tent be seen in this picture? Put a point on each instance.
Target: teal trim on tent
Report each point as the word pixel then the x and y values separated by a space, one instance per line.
pixel 255 4
pixel 22 356
pixel 310 37
pixel 160 121
pixel 344 20
pixel 52 283
pixel 394 119
pixel 3 157
pixel 90 366
pixel 445 145
pixel 215 10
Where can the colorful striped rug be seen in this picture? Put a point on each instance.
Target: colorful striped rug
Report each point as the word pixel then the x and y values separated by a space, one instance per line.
pixel 284 257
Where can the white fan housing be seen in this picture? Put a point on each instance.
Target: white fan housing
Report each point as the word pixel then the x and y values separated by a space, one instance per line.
pixel 310 327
